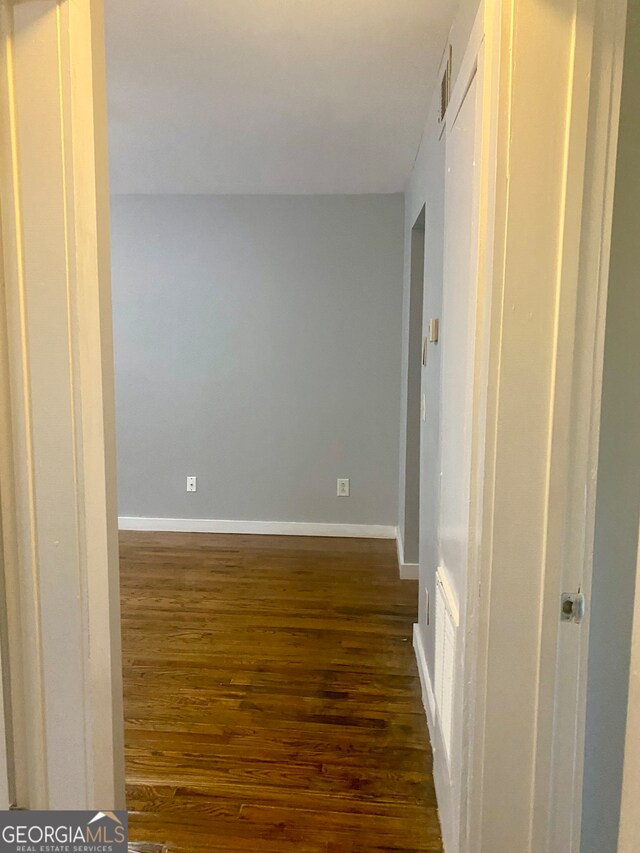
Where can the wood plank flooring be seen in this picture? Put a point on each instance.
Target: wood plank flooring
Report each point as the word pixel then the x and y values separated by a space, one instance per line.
pixel 272 701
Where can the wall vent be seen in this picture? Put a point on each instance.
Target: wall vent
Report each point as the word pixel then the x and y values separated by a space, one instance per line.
pixel 445 87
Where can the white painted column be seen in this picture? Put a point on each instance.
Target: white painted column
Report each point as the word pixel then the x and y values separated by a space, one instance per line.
pixel 63 575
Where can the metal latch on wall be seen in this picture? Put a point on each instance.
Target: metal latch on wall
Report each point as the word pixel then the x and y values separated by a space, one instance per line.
pixel 572 607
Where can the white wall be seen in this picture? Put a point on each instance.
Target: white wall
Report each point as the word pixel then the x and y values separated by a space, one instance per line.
pixel 258 346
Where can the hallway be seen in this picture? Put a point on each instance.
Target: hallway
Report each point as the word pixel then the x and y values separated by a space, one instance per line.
pixel 272 701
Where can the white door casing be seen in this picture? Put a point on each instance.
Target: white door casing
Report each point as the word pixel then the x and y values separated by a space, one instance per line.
pixel 58 467
pixel 552 122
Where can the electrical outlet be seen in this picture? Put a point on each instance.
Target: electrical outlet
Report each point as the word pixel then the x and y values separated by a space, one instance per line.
pixel 192 484
pixel 343 488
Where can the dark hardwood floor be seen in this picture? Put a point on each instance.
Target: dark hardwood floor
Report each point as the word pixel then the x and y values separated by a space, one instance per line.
pixel 272 701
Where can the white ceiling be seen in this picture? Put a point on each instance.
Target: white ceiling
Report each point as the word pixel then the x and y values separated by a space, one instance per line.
pixel 269 96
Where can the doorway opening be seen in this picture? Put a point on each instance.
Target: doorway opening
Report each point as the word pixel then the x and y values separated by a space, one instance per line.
pixel 60 383
pixel 415 403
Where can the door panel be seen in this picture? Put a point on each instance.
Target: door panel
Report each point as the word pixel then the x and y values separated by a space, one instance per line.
pixel 457 392
pixel 458 343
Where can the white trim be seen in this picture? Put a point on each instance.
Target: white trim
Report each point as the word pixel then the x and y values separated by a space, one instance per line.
pixel 428 697
pixel 268 528
pixel 407 571
pixel 58 460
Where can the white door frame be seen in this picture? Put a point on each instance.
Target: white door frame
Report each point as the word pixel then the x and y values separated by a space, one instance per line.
pixel 590 181
pixel 551 138
pixel 57 456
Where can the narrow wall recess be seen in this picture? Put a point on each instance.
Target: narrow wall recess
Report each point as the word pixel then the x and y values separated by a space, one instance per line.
pixel 416 404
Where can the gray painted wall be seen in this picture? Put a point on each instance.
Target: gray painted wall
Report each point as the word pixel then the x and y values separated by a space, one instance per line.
pixel 618 497
pixel 258 346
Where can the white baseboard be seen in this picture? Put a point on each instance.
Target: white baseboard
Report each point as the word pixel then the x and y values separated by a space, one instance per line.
pixel 428 698
pixel 273 528
pixel 408 571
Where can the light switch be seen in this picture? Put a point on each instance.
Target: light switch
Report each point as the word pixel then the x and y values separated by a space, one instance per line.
pixel 343 487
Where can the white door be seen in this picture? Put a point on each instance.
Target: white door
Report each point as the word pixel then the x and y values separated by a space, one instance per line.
pixel 458 338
